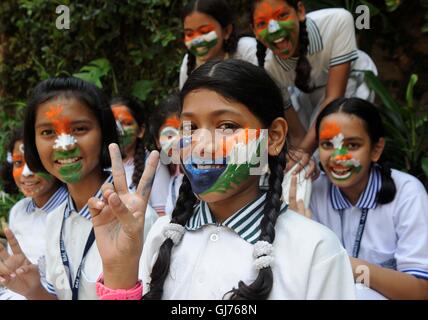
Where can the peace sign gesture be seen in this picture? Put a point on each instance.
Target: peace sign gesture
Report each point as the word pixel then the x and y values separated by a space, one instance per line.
pixel 118 221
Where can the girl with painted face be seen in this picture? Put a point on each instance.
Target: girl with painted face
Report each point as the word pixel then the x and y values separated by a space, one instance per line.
pixel 68 126
pixel 27 218
pixel 312 57
pixel 164 130
pixel 130 121
pixel 209 33
pixel 240 242
pixel 380 215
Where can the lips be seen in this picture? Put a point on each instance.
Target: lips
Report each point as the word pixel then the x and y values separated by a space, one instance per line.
pixel 68 161
pixel 340 173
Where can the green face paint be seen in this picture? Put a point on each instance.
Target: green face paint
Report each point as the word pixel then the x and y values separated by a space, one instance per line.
pixel 70 171
pixel 127 138
pixel 44 175
pixel 201 45
pixel 344 165
pixel 278 31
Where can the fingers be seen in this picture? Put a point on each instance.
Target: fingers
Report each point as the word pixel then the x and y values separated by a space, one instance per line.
pixel 13 243
pixel 119 176
pixel 121 212
pixel 146 181
pixel 302 162
pixel 292 195
pixel 5 271
pixel 95 206
pixel 3 253
pixel 308 213
pixel 301 207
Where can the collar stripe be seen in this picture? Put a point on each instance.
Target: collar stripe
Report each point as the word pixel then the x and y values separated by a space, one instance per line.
pixel 57 198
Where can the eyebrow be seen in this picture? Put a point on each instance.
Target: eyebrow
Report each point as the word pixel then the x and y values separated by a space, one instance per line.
pixel 49 124
pixel 214 113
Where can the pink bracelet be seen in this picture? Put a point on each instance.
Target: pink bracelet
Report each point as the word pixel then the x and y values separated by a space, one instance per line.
pixel 105 293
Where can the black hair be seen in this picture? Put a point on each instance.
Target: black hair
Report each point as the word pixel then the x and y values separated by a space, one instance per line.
pixel 222 13
pixel 303 68
pixel 373 124
pixel 139 115
pixel 168 107
pixel 6 172
pixel 237 81
pixel 68 87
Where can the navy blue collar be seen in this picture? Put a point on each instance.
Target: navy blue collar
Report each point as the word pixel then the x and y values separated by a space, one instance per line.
pixel 57 198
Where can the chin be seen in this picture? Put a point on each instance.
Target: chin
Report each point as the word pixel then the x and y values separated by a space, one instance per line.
pixel 213 197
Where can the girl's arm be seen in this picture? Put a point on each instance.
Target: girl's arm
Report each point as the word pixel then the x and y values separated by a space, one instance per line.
pixel 296 131
pixel 336 88
pixel 390 283
pixel 118 222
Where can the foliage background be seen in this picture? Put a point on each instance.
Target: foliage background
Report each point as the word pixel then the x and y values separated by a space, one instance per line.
pixel 137 48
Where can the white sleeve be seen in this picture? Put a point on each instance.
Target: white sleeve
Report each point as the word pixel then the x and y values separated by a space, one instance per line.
pixel 183 72
pixel 150 218
pixel 247 50
pixel 344 47
pixel 304 186
pixel 412 235
pixel 332 279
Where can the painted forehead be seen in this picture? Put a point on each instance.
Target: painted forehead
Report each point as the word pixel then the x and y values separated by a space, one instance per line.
pixel 329 130
pixel 266 10
pixel 122 112
pixel 172 122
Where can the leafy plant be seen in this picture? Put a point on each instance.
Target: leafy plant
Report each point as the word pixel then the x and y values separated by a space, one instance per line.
pixel 406 126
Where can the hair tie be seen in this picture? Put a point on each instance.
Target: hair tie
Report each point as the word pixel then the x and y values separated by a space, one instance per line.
pixel 9 158
pixel 262 248
pixel 263 262
pixel 174 231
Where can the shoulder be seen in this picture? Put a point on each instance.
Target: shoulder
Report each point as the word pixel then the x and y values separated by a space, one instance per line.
pixel 247 43
pixel 320 185
pixel 408 186
pixel 19 209
pixel 311 238
pixel 331 17
pixel 155 237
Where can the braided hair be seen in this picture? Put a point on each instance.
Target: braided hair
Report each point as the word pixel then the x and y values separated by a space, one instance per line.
pixel 220 11
pixel 138 113
pixel 235 80
pixel 373 124
pixel 303 68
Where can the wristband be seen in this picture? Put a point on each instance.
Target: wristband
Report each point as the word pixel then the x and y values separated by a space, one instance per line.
pixel 105 293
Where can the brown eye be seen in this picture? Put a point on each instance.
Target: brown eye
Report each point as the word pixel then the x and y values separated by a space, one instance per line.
pixel 47 132
pixel 326 145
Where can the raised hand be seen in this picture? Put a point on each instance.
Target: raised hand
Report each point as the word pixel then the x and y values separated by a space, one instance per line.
pixel 118 221
pixel 297 205
pixel 17 273
pixel 304 162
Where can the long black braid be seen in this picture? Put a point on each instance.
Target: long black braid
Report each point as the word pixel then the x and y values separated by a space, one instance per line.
pixel 303 68
pixel 139 161
pixel 261 54
pixel 181 214
pixel 262 286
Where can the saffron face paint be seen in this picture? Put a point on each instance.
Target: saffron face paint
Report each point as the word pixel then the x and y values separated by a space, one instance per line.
pixel 66 152
pixel 30 184
pixel 168 135
pixel 277 27
pixel 126 124
pixel 234 157
pixel 201 41
pixel 343 165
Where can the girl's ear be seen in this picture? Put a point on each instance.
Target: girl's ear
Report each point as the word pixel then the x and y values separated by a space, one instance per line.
pixel 301 11
pixel 227 32
pixel 277 136
pixel 141 133
pixel 377 150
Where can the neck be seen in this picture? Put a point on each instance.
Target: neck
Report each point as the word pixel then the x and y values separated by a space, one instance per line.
pixel 221 56
pixel 41 200
pixel 227 207
pixel 86 188
pixel 354 192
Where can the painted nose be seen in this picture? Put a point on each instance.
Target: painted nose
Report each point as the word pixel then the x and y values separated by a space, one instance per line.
pixel 273 26
pixel 27 172
pixel 120 128
pixel 65 142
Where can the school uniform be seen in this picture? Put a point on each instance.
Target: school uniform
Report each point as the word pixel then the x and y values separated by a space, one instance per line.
pixel 28 223
pixel 395 235
pixel 160 190
pixel 246 50
pixel 70 231
pixel 173 192
pixel 332 42
pixel 211 259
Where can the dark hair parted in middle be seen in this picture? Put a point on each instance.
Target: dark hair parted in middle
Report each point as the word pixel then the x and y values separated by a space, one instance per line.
pixel 251 86
pixel 69 87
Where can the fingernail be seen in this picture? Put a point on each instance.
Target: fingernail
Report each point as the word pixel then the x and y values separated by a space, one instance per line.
pixel 19 271
pixel 100 205
pixel 115 199
pixel 13 275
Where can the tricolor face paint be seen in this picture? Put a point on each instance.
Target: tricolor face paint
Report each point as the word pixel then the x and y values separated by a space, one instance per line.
pixel 66 152
pixel 341 163
pixel 29 183
pixel 127 126
pixel 169 135
pixel 277 27
pixel 229 164
pixel 200 42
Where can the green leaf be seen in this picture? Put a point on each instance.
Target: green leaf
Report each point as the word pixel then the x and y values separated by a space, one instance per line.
pixel 94 71
pixel 142 88
pixel 409 92
pixel 424 164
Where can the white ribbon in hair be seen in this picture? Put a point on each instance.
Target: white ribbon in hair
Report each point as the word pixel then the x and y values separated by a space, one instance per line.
pixel 263 262
pixel 262 248
pixel 9 158
pixel 174 231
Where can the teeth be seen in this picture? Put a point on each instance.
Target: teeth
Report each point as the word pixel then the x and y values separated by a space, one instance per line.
pixel 68 161
pixel 341 174
pixel 209 166
pixel 279 40
pixel 201 49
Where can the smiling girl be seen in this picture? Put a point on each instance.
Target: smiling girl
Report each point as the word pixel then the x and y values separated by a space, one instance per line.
pixel 68 126
pixel 379 214
pixel 226 238
pixel 27 218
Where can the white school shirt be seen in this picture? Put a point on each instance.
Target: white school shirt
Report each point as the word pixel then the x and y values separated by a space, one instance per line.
pixel 332 42
pixel 246 50
pixel 395 234
pixel 77 227
pixel 173 192
pixel 159 193
pixel 28 223
pixel 211 259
